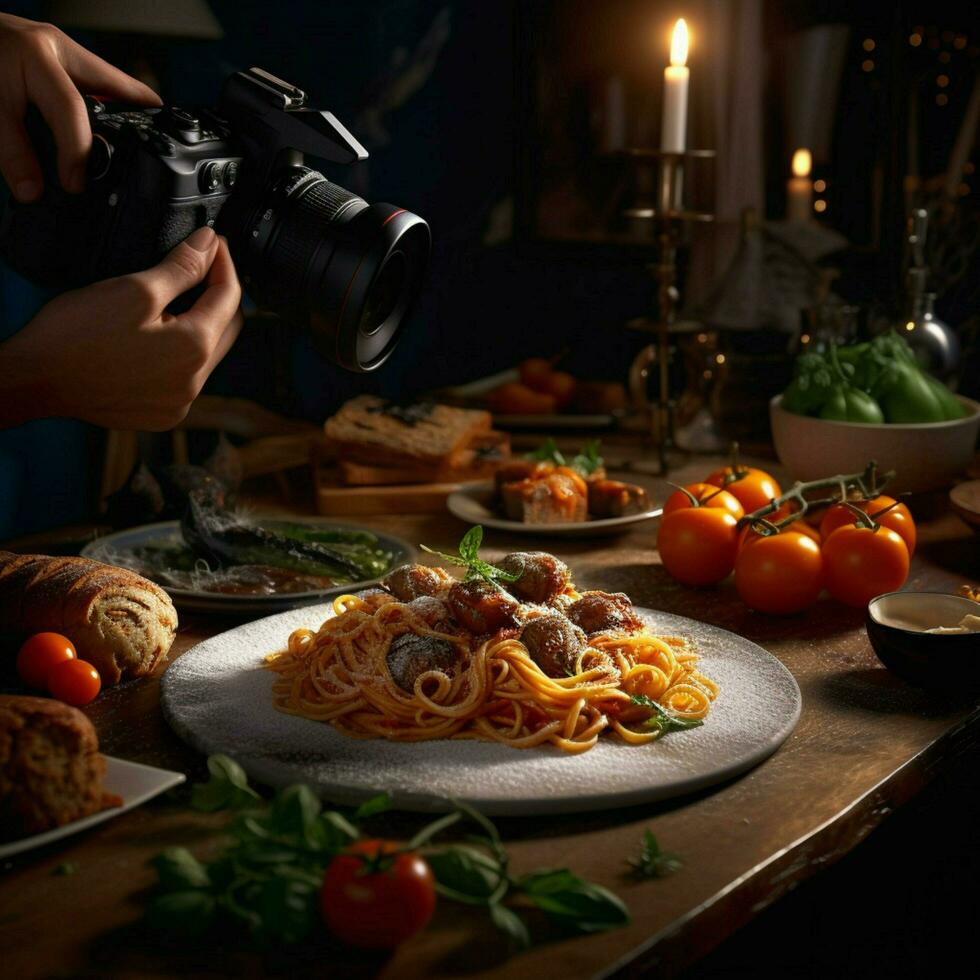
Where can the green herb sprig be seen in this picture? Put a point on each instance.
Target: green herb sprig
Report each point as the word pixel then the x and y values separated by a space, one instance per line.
pixel 267 879
pixel 469 558
pixel 587 461
pixel 663 721
pixel 652 862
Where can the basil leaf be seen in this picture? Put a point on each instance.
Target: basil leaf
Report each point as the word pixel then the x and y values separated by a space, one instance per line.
pixel 294 812
pixel 227 787
pixel 187 913
pixel 372 807
pixel 574 903
pixel 588 460
pixel 287 911
pixel 452 559
pixel 469 546
pixel 547 452
pixel 178 869
pixel 511 924
pixel 662 720
pixel 465 874
pixel 652 861
pixel 339 831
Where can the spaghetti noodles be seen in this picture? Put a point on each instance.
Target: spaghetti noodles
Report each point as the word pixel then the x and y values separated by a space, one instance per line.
pixel 494 689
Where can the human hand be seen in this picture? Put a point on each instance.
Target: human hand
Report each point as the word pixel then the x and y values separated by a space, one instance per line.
pixel 111 354
pixel 41 66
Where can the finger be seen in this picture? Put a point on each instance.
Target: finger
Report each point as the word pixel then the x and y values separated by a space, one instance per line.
pixel 18 164
pixel 217 306
pixel 182 268
pixel 97 77
pixel 227 341
pixel 52 91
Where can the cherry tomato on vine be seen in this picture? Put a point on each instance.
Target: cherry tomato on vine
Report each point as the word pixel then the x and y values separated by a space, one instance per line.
pixel 40 654
pixel 374 896
pixel 748 534
pixel 898 519
pixel 678 500
pixel 781 574
pixel 752 488
pixel 697 544
pixel 75 682
pixel 861 562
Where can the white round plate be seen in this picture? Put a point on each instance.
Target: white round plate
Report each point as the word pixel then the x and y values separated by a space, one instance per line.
pixel 114 549
pixel 473 503
pixel 218 697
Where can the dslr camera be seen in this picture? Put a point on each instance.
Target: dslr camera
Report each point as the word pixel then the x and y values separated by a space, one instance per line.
pixel 306 248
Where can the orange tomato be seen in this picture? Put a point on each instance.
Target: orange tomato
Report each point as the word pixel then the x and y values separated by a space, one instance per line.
pixel 558 384
pixel 697 544
pixel 862 563
pixel 518 399
pixel 898 519
pixel 748 535
pixel 75 682
pixel 780 574
pixel 752 488
pixel 678 500
pixel 533 371
pixel 40 654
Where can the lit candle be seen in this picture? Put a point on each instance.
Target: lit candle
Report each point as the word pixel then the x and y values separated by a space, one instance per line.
pixel 673 133
pixel 799 188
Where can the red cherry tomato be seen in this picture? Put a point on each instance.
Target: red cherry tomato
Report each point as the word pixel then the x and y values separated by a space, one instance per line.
pixel 862 563
pixel 697 544
pixel 678 500
pixel 752 489
pixel 41 653
pixel 373 896
pixel 74 682
pixel 780 574
pixel 898 519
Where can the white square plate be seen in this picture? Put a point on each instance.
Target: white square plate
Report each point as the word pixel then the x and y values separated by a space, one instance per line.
pixel 134 782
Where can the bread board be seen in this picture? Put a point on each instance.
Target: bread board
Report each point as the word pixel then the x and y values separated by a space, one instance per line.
pixel 336 499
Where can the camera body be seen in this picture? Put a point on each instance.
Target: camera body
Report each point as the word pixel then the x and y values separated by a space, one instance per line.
pixel 304 247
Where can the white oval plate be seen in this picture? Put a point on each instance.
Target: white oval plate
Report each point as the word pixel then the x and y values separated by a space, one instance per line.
pixel 473 503
pixel 134 782
pixel 218 697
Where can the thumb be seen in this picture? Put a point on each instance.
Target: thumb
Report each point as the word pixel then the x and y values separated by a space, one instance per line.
pixel 182 268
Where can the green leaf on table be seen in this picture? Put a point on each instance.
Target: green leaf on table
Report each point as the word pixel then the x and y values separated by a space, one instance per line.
pixel 287 909
pixel 661 720
pixel 372 807
pixel 465 874
pixel 652 862
pixel 227 788
pixel 572 902
pixel 185 913
pixel 511 924
pixel 178 869
pixel 294 812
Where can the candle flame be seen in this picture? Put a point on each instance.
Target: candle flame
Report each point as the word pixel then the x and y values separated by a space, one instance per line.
pixel 802 163
pixel 679 43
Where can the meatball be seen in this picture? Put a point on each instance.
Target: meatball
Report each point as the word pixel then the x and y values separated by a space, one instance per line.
pixel 554 644
pixel 481 608
pixel 411 655
pixel 434 613
pixel 598 612
pixel 542 576
pixel 408 582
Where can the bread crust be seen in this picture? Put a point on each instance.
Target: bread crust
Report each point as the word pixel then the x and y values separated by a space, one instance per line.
pixel 120 622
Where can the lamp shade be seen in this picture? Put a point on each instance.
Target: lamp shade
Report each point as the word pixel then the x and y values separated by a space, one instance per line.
pixel 172 18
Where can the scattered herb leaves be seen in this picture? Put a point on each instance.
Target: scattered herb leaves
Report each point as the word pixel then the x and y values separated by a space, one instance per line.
pixel 652 862
pixel 268 876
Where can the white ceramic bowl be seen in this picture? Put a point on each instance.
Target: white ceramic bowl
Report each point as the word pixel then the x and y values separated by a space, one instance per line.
pixel 924 456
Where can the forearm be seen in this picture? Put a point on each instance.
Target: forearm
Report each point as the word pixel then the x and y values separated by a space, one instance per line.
pixel 24 391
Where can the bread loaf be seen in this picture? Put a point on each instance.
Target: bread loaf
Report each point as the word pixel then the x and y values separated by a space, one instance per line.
pixel 51 771
pixel 118 621
pixel 370 430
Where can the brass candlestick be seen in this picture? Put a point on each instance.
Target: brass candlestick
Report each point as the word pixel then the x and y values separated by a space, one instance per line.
pixel 660 175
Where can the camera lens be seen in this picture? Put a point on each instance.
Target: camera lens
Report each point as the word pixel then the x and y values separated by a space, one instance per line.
pixel 349 270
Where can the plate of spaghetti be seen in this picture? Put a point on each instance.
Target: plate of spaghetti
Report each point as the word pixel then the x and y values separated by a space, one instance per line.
pixel 507 687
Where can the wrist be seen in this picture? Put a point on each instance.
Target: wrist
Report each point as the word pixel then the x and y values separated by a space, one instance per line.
pixel 25 392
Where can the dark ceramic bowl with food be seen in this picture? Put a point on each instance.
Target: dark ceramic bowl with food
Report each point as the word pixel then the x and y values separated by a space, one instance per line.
pixel 903 629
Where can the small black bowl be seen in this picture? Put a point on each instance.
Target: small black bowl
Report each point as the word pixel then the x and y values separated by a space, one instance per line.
pixel 896 624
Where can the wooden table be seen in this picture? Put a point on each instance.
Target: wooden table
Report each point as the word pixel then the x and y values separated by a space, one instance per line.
pixel 866 744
